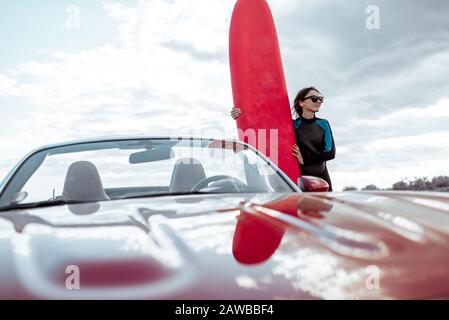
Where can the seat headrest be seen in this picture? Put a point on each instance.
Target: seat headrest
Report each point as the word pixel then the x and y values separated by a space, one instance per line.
pixel 186 173
pixel 83 183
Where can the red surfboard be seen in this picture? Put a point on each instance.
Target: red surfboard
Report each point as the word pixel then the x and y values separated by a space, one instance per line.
pixel 258 85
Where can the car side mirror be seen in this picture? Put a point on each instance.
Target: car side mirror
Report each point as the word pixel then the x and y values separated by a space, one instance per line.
pixel 313 184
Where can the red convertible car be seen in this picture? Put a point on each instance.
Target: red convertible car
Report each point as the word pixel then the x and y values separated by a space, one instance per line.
pixel 191 218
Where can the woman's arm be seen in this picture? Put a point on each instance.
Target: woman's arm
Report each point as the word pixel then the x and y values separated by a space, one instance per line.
pixel 297 154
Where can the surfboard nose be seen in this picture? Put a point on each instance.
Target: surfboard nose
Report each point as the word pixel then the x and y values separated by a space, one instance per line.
pixel 258 84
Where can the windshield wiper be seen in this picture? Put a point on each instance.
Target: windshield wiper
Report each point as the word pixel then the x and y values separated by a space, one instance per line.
pixel 30 205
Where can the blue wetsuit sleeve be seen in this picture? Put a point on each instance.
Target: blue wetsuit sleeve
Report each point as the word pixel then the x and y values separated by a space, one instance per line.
pixel 329 146
pixel 296 124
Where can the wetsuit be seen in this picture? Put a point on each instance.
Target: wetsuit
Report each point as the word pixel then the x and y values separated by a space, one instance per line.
pixel 316 143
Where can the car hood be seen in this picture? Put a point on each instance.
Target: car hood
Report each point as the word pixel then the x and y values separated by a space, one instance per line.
pixel 358 245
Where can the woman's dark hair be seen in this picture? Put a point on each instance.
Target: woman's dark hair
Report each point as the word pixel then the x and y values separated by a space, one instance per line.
pixel 300 97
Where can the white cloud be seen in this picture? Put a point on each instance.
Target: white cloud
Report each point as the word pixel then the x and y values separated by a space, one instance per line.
pixel 7 85
pixel 140 86
pixel 406 144
pixel 118 83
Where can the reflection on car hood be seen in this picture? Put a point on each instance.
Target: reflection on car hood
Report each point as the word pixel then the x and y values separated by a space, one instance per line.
pixel 376 245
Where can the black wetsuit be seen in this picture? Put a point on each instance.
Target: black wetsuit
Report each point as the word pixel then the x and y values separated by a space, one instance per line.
pixel 316 143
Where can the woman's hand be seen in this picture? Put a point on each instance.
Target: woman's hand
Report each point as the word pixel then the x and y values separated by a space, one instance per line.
pixel 297 154
pixel 235 113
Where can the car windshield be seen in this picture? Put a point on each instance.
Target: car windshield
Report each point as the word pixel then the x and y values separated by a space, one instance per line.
pixel 121 169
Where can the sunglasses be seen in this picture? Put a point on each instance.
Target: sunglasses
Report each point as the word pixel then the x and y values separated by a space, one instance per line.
pixel 314 98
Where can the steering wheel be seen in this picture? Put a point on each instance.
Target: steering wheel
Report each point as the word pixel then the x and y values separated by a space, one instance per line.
pixel 204 182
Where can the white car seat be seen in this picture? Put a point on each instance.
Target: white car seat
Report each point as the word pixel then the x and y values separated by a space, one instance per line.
pixel 186 173
pixel 83 183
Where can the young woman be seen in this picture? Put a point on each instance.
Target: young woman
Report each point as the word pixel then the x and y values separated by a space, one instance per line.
pixel 314 141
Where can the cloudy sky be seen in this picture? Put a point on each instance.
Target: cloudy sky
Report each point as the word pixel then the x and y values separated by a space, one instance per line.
pixel 83 68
